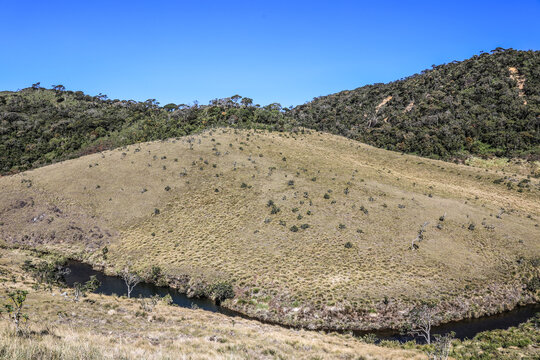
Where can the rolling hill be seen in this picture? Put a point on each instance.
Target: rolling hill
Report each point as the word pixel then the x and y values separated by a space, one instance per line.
pixel 307 228
pixel 488 105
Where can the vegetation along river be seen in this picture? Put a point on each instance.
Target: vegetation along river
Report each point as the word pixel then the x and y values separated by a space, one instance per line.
pixel 468 328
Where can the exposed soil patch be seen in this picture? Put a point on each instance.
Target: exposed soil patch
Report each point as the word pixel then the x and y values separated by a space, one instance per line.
pixel 520 80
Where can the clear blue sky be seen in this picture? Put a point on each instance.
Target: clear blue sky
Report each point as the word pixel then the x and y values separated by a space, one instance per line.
pixel 273 51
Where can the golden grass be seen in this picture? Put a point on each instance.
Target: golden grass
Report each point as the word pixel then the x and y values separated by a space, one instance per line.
pixel 101 327
pixel 211 227
pixel 509 166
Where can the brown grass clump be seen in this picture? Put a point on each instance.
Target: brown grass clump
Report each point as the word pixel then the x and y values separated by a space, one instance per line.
pixel 199 208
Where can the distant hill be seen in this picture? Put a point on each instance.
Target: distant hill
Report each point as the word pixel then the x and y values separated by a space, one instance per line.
pixel 308 228
pixel 41 126
pixel 486 105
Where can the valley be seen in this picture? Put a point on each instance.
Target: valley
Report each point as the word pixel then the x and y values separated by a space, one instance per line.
pixel 307 229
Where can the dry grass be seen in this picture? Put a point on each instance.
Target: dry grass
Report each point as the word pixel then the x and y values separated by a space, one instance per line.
pixel 508 166
pixel 212 227
pixel 109 327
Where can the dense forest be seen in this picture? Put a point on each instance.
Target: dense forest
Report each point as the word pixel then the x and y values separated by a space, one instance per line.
pixel 488 105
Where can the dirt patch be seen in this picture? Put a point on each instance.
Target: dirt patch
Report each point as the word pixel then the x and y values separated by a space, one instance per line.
pixel 384 102
pixel 410 106
pixel 520 80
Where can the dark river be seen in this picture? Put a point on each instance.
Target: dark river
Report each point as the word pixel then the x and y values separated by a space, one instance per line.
pixel 113 285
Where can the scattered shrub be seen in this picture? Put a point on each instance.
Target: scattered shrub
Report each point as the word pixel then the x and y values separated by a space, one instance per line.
pixel 220 291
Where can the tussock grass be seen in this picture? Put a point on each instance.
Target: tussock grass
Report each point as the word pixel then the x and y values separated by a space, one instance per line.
pixel 520 342
pixel 212 228
pixel 105 327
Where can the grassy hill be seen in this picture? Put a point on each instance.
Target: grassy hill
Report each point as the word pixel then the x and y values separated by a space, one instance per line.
pixel 308 228
pixel 488 105
pixel 40 126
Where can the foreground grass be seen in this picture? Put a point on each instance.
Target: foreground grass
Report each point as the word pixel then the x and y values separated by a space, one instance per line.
pixel 521 342
pixel 108 327
pixel 311 229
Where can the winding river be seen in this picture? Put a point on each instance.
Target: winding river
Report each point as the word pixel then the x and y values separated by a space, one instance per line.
pixel 113 285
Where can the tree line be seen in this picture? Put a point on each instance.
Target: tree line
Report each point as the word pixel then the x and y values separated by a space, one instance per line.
pixel 488 105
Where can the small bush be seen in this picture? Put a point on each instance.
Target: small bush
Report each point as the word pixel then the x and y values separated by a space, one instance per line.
pixel 220 291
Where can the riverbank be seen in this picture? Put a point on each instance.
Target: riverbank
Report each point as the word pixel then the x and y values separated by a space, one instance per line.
pixel 101 326
pixel 463 328
pixel 112 327
pixel 504 315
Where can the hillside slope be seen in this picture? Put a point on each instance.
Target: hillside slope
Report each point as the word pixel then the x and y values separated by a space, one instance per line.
pixel 309 228
pixel 40 126
pixel 486 105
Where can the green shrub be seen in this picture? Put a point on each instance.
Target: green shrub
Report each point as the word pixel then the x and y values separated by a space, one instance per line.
pixel 220 291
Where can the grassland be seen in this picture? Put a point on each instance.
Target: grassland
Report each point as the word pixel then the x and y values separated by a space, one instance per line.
pixel 104 327
pixel 311 229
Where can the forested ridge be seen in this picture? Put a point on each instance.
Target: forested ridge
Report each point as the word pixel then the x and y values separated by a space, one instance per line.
pixel 488 105
pixel 40 126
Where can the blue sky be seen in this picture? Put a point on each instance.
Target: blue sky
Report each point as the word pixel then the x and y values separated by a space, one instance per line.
pixel 271 51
